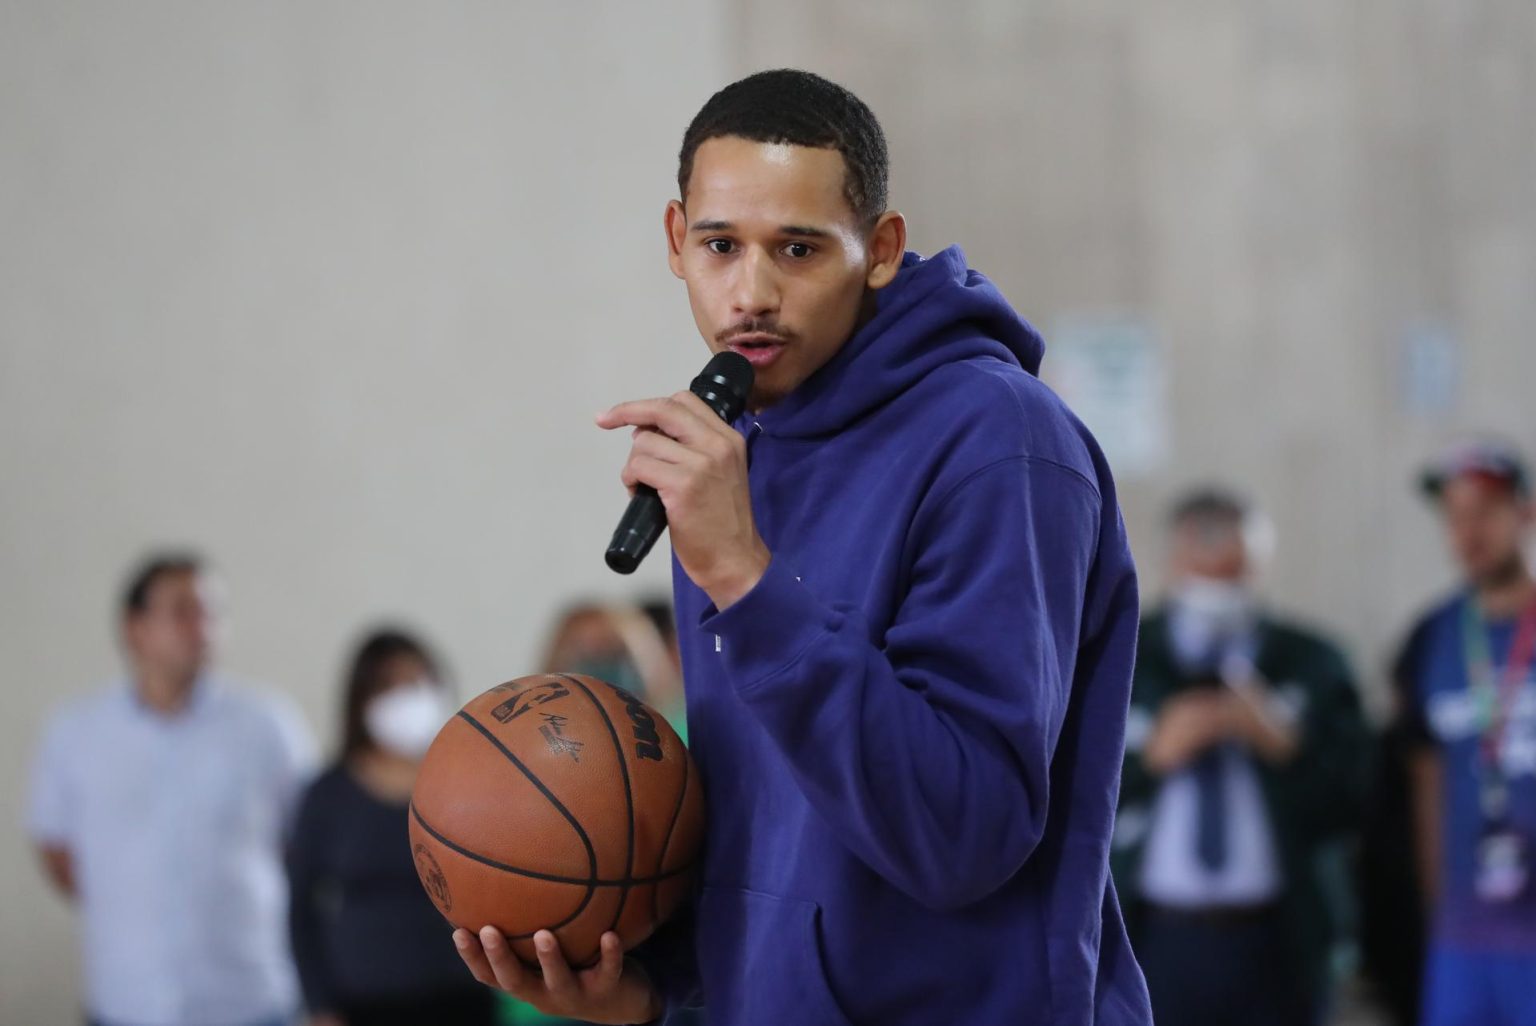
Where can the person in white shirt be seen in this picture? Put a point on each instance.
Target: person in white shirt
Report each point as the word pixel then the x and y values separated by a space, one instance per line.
pixel 159 807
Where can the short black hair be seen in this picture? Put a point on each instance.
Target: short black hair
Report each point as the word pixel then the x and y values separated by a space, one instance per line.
pixel 1209 507
pixel 801 109
pixel 148 573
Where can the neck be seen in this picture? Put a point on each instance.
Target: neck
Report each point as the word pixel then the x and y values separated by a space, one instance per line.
pixel 162 691
pixel 1507 594
pixel 384 773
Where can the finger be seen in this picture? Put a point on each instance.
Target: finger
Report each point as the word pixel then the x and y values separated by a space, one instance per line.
pixel 509 972
pixel 647 470
pixel 659 446
pixel 721 430
pixel 604 976
pixel 558 979
pixel 474 957
pixel 670 416
pixel 702 410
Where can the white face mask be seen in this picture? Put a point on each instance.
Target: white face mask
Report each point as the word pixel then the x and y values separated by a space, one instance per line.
pixel 1212 611
pixel 404 720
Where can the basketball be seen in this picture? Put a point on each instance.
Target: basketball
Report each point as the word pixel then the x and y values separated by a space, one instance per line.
pixel 557 802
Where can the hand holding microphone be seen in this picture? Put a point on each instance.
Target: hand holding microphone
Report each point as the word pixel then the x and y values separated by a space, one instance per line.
pixel 689 470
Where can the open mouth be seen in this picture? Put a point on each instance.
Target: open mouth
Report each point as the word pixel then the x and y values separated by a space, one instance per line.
pixel 755 342
pixel 760 350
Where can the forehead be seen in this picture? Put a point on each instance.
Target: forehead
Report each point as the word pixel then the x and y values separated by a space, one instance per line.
pixel 1207 533
pixel 1471 491
pixel 743 181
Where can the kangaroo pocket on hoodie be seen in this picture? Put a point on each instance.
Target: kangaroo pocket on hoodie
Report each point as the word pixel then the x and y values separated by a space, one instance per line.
pixel 761 958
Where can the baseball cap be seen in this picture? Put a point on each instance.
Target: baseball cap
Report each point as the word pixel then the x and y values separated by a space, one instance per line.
pixel 1492 461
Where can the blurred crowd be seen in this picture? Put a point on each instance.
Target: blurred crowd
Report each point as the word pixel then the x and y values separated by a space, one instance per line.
pixel 225 875
pixel 1271 841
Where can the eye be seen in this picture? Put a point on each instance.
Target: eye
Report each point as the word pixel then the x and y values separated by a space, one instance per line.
pixel 719 246
pixel 799 250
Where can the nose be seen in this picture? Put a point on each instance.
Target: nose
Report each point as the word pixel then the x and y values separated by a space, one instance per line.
pixel 755 291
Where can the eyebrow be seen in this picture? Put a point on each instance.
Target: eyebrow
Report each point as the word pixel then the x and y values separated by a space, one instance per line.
pixel 802 230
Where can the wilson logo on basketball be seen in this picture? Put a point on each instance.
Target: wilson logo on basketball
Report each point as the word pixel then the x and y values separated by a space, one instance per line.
pixel 432 878
pixel 647 740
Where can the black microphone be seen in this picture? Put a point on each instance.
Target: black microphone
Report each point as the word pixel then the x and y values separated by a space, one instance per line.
pixel 723 384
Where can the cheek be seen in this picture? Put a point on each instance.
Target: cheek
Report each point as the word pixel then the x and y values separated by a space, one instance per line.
pixel 831 312
pixel 701 302
pixel 707 295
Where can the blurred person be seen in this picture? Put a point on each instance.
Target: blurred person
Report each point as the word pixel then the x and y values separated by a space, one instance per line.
pixel 352 875
pixel 658 609
pixel 160 806
pixel 622 645
pixel 1244 760
pixel 638 646
pixel 909 627
pixel 1468 699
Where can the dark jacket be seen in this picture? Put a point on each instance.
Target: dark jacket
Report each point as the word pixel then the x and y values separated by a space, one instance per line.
pixel 1314 800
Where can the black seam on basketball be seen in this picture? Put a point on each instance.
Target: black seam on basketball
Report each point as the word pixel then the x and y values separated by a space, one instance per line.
pixel 629 794
pixel 546 792
pixel 666 842
pixel 534 874
pixel 586 899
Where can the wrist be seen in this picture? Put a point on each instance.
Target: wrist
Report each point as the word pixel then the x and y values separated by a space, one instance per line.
pixel 735 581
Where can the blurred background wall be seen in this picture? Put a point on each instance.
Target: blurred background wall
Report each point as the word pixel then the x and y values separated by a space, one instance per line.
pixel 330 291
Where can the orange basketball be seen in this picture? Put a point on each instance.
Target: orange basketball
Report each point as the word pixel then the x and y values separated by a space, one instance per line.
pixel 557 802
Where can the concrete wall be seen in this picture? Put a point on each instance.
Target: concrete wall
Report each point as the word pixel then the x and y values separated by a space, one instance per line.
pixel 330 291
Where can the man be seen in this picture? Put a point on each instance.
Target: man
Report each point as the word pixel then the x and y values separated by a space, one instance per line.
pixel 159 808
pixel 909 630
pixel 1245 764
pixel 1468 696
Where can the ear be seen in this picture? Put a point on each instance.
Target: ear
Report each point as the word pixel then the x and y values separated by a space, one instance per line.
pixel 676 223
pixel 887 246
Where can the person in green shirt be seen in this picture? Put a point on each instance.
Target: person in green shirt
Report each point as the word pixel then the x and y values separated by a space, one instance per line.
pixel 1246 758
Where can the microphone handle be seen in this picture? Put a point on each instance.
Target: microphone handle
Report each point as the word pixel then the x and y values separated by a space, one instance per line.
pixel 723 388
pixel 638 530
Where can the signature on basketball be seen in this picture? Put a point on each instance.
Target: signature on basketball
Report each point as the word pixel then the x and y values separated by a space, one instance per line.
pixel 553 729
pixel 541 693
pixel 432 878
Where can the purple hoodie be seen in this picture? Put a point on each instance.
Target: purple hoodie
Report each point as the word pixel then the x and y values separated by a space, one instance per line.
pixel 910 730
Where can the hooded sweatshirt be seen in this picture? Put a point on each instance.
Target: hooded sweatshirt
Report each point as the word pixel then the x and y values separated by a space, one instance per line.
pixel 910 730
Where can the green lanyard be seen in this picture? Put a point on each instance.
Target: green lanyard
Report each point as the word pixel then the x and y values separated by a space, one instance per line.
pixel 1495 700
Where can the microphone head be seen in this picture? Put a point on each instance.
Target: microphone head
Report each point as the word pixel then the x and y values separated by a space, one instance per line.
pixel 724 383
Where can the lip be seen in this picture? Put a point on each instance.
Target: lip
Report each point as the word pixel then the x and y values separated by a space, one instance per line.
pixel 759 356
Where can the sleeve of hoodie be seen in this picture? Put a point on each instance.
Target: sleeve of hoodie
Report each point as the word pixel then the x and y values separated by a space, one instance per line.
pixel 928 750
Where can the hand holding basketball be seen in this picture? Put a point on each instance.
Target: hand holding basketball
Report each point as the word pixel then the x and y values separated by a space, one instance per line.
pixel 615 990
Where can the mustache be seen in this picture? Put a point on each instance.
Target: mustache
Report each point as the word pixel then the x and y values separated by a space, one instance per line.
pixel 755 326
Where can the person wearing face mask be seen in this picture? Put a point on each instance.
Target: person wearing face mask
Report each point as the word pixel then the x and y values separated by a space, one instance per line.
pixel 350 865
pixel 1244 765
pixel 623 645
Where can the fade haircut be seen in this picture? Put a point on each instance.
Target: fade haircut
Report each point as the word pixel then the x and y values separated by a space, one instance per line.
pixel 800 109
